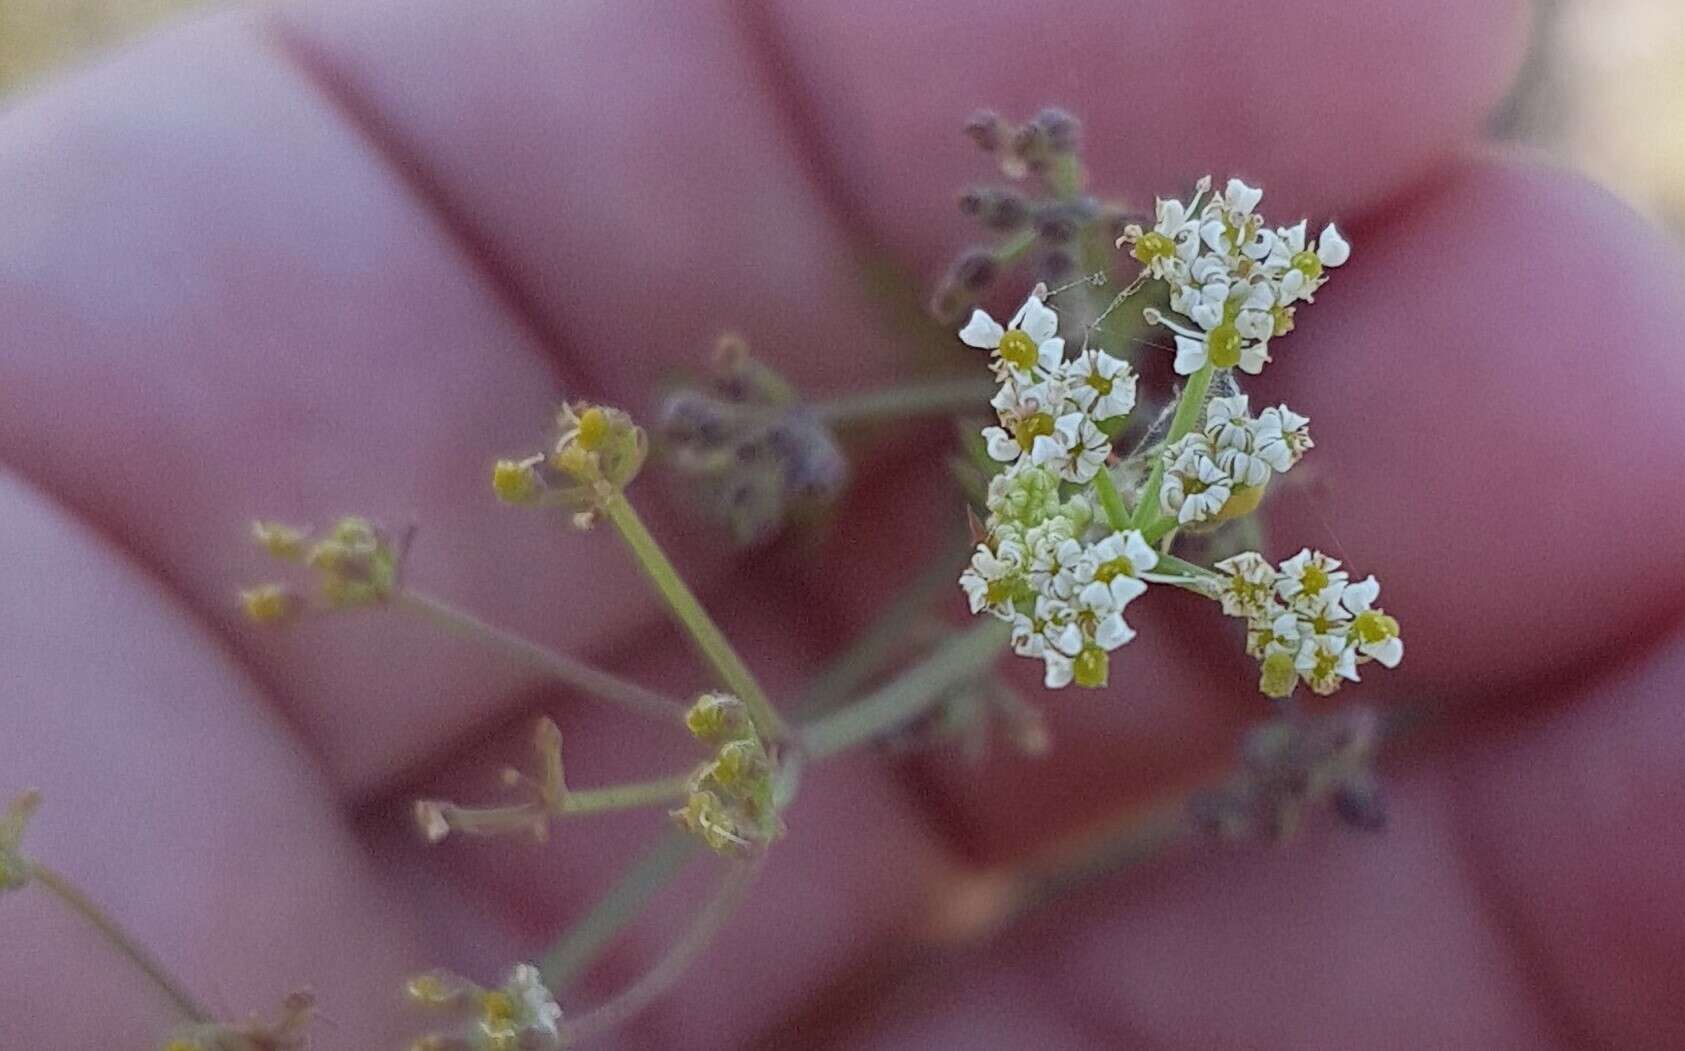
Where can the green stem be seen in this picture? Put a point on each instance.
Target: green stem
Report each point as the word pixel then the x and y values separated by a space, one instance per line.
pixel 1111 501
pixel 569 957
pixel 592 682
pixel 629 796
pixel 65 891
pixel 715 648
pixel 936 398
pixel 1016 247
pixel 962 657
pixel 1064 176
pixel 659 978
pixel 1187 414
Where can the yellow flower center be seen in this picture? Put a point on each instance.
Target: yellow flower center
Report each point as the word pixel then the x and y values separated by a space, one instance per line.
pixel 1117 567
pixel 1314 579
pixel 1030 428
pixel 1372 626
pixel 1099 383
pixel 1153 246
pixel 1091 667
pixel 1306 263
pixel 1224 343
pixel 1018 350
pixel 998 592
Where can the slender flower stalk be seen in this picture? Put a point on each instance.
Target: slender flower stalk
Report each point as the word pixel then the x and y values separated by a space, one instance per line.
pixel 1148 518
pixel 575 950
pixel 593 682
pixel 73 898
pixel 659 978
pixel 715 648
pixel 963 657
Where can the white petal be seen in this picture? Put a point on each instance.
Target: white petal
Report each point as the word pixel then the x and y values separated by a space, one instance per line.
pixel 1331 248
pixel 1059 670
pixel 1050 354
pixel 1190 355
pixel 1388 653
pixel 1253 358
pixel 1038 321
pixel 982 331
pixel 1126 589
pixel 1242 197
pixel 1112 632
pixel 1001 445
pixel 1360 596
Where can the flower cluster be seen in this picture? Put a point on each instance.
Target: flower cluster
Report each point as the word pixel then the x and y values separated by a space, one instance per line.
pixel 519 1015
pixel 1219 472
pixel 1037 568
pixel 1070 541
pixel 1307 621
pixel 730 804
pixel 1234 280
pixel 597 452
pixel 355 563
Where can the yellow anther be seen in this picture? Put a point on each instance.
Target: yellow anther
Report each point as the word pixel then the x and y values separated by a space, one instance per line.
pixel 1153 246
pixel 594 427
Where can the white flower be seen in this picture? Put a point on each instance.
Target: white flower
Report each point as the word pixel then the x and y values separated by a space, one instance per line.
pixel 1060 669
pixel 1299 266
pixel 1227 422
pixel 1267 634
pixel 1095 618
pixel 1028 415
pixel 1223 346
pixel 1250 584
pixel 1077 449
pixel 1375 633
pixel 1026 349
pixel 1051 561
pixel 1118 561
pixel 1173 242
pixel 1308 575
pixel 993 577
pixel 1293 437
pixel 1324 660
pixel 1195 487
pixel 1100 385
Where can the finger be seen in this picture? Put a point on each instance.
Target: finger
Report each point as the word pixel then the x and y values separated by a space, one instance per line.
pixel 180 803
pixel 1468 427
pixel 1526 887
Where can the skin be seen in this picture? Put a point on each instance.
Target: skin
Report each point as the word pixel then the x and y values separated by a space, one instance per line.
pixel 337 256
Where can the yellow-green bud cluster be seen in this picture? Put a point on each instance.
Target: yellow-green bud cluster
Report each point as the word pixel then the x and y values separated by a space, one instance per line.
pixel 597 452
pixel 355 564
pixel 730 806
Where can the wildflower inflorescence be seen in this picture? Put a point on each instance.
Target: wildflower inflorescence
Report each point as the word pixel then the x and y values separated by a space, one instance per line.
pixel 519 1015
pixel 1072 537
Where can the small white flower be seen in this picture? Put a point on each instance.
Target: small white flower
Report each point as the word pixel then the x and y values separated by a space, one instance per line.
pixel 1375 633
pixel 1052 561
pixel 1249 587
pixel 1293 437
pixel 1227 422
pixel 1077 449
pixel 1299 266
pixel 1307 575
pixel 1278 633
pixel 1100 385
pixel 993 577
pixel 1026 349
pixel 1223 346
pixel 1095 617
pixel 1325 660
pixel 1195 487
pixel 1118 561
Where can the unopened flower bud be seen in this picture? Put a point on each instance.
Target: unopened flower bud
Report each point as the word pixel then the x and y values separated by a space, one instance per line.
pixel 267 603
pixel 716 718
pixel 986 129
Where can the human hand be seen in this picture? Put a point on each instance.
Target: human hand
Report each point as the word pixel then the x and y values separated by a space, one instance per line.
pixel 335 258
